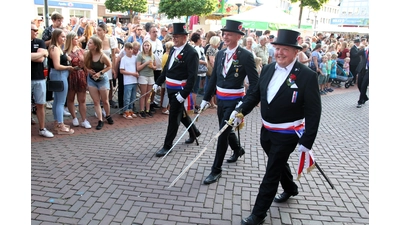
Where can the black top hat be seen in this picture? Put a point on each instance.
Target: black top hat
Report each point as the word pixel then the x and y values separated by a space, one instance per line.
pixel 356 40
pixel 233 26
pixel 179 28
pixel 288 38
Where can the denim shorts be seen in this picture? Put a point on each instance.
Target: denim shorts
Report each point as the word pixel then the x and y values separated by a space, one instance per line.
pixel 38 89
pixel 100 85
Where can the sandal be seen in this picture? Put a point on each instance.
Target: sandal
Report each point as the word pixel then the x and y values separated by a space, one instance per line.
pixel 64 129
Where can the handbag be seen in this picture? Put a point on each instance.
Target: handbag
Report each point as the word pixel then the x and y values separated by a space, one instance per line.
pixel 55 85
pixel 202 68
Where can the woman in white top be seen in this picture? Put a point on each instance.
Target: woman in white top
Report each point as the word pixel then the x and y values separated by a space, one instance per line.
pixel 302 57
pixel 249 44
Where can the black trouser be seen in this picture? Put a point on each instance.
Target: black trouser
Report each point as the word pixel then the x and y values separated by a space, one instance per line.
pixel 277 169
pixel 120 89
pixel 176 116
pixel 353 69
pixel 362 84
pixel 228 137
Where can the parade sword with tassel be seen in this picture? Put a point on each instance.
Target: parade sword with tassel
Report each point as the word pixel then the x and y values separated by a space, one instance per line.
pixel 307 159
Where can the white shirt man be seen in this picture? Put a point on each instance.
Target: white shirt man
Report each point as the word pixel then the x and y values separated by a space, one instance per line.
pixel 156 46
pixel 261 50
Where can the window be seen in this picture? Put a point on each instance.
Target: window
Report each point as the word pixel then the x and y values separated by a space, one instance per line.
pixel 79 13
pixel 51 10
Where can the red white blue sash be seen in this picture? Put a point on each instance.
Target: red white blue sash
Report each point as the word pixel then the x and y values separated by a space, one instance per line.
pixel 230 94
pixel 285 128
pixel 174 84
pixel 178 85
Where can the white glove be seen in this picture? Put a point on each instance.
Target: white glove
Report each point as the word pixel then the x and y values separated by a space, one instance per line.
pixel 204 104
pixel 236 120
pixel 155 87
pixel 179 97
pixel 303 149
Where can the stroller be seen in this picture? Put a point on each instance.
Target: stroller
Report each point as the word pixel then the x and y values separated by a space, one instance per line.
pixel 342 77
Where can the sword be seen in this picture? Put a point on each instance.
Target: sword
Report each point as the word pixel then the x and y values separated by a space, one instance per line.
pixel 228 123
pixel 190 125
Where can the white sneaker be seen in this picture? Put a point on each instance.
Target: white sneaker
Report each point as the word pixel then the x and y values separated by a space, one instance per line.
pixel 75 122
pixel 49 105
pixel 86 124
pixel 66 112
pixel 46 133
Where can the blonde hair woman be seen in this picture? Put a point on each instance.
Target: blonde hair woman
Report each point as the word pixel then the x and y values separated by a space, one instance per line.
pixel 59 71
pixel 87 33
pixel 145 65
pixel 164 102
pixel 211 52
pixel 77 83
pixel 97 64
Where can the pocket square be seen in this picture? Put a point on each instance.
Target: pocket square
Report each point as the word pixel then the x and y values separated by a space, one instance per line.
pixel 294 86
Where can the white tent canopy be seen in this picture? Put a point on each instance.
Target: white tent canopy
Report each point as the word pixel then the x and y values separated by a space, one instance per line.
pixel 264 17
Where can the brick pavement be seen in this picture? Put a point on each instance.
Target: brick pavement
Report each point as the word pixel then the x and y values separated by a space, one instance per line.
pixel 112 176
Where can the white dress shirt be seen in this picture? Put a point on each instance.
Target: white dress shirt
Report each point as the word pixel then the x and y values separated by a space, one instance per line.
pixel 280 76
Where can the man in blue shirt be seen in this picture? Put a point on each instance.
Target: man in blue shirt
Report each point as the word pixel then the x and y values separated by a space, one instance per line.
pixel 137 36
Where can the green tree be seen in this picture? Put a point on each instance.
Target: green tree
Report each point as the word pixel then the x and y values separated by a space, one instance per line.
pixel 126 5
pixel 315 5
pixel 178 8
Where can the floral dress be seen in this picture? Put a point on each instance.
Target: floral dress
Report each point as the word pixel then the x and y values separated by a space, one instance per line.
pixel 77 78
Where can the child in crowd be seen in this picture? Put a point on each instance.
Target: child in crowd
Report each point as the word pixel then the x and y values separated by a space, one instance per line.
pixel 328 72
pixel 258 62
pixel 128 69
pixel 346 65
pixel 323 75
pixel 333 74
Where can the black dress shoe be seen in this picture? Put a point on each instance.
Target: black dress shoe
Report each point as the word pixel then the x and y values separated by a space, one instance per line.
pixel 235 156
pixel 284 196
pixel 212 178
pixel 162 152
pixel 359 105
pixel 192 139
pixel 253 220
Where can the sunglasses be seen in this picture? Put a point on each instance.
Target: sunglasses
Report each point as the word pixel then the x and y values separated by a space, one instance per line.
pixel 36 30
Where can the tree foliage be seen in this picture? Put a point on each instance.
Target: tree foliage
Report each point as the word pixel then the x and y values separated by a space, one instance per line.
pixel 178 8
pixel 315 5
pixel 126 5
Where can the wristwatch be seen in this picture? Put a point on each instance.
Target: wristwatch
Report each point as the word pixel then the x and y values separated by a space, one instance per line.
pixel 101 73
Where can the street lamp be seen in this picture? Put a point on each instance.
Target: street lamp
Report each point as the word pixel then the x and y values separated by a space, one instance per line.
pixel 239 3
pixel 315 21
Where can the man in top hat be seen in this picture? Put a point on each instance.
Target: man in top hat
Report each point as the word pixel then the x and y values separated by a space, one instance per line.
pixel 179 75
pixel 231 67
pixel 290 105
pixel 354 59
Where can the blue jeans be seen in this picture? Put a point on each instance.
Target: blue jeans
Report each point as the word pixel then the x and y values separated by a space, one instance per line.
pixel 129 96
pixel 59 97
